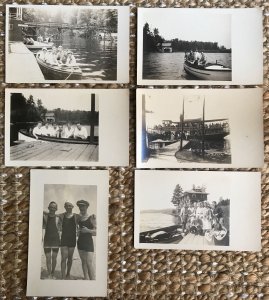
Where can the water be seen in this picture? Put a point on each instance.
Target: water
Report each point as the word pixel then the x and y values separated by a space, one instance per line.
pixel 97 59
pixel 170 66
pixel 150 221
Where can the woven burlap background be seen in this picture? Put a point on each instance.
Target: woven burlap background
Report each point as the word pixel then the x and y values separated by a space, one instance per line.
pixel 133 273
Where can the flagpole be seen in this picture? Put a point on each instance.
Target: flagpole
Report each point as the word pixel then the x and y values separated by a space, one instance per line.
pixel 203 131
pixel 182 127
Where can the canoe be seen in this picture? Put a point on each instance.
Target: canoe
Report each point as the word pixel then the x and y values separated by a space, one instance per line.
pixel 28 137
pixel 39 46
pixel 216 72
pixel 164 235
pixel 52 72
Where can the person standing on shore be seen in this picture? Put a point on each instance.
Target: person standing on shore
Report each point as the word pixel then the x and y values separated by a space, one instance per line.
pixel 51 240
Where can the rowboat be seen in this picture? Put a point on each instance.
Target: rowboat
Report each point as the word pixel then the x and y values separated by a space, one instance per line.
pixel 29 137
pixel 164 235
pixel 55 72
pixel 39 46
pixel 209 71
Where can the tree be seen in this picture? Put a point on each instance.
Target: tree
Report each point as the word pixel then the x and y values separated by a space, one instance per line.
pixel 178 192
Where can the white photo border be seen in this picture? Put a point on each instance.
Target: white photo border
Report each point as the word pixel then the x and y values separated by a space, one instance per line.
pixel 113 128
pixel 72 288
pixel 122 46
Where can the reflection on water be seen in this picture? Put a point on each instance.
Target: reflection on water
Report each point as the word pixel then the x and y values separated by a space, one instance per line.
pixel 170 66
pixel 97 59
pixel 150 221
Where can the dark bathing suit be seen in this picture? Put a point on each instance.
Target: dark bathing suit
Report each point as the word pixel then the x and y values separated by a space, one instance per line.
pixel 51 238
pixel 68 232
pixel 85 241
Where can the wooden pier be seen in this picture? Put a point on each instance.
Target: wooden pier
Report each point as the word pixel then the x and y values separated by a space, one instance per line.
pixel 21 65
pixel 53 151
pixel 197 240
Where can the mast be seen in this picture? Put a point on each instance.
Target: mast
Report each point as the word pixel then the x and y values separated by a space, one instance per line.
pixel 182 127
pixel 203 131
pixel 144 133
pixel 92 118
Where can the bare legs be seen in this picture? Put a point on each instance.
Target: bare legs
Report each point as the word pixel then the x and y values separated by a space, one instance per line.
pixel 51 260
pixel 87 264
pixel 66 261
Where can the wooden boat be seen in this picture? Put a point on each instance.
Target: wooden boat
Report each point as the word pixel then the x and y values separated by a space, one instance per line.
pixel 28 137
pixel 164 235
pixel 52 72
pixel 209 71
pixel 39 46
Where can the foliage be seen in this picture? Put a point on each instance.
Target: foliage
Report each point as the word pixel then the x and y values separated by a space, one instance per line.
pixel 152 40
pixel 224 202
pixel 178 192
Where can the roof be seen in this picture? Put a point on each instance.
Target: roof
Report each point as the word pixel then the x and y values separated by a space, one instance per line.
pixel 192 191
pixel 49 114
pixel 166 44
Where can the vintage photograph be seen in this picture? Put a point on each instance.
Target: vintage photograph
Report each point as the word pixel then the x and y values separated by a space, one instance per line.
pixel 68 233
pixel 69 230
pixel 64 43
pixel 198 128
pixel 174 52
pixel 191 210
pixel 64 126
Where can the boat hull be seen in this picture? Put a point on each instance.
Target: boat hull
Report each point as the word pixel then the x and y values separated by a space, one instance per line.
pixel 164 235
pixel 208 74
pixel 27 137
pixel 58 73
pixel 39 46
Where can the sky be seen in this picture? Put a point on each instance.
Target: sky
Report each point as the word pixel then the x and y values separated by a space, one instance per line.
pixel 190 26
pixel 171 108
pixel 60 193
pixel 158 187
pixel 63 98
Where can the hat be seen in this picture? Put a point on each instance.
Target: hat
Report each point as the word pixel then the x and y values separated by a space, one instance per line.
pixel 68 203
pixel 82 202
pixel 44 49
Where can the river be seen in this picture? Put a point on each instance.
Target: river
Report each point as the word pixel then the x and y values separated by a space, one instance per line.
pixel 97 59
pixel 170 66
pixel 150 221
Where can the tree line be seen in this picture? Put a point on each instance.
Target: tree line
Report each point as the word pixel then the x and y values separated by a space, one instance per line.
pixel 152 41
pixel 29 110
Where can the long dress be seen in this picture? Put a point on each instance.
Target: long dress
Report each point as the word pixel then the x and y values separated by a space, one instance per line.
pixel 85 241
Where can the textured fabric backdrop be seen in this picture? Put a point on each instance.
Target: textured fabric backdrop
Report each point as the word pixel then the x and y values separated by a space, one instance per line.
pixel 136 274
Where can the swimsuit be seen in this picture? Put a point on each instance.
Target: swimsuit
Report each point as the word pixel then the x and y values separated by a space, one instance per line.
pixel 51 238
pixel 85 241
pixel 68 238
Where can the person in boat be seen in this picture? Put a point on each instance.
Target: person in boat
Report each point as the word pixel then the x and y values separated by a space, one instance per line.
pixel 69 131
pixel 46 130
pixel 197 57
pixel 54 130
pixel 60 55
pixel 60 132
pixel 37 130
pixel 80 132
pixel 52 56
pixel 202 60
pixel 43 55
pixel 87 228
pixel 40 39
pixel 51 240
pixel 70 59
pixel 69 221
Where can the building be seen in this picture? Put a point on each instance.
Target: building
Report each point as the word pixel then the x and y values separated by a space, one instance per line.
pixel 15 24
pixel 196 194
pixel 165 47
pixel 49 117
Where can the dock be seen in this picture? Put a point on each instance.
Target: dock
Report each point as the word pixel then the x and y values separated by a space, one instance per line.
pixel 197 240
pixel 53 151
pixel 21 65
pixel 168 152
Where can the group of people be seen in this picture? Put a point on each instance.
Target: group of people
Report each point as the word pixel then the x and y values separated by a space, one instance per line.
pixel 196 57
pixel 58 56
pixel 65 231
pixel 60 131
pixel 201 216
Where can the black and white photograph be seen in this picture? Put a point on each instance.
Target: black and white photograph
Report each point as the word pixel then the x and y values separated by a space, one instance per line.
pixel 68 233
pixel 66 127
pixel 199 128
pixel 67 43
pixel 173 48
pixel 196 210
